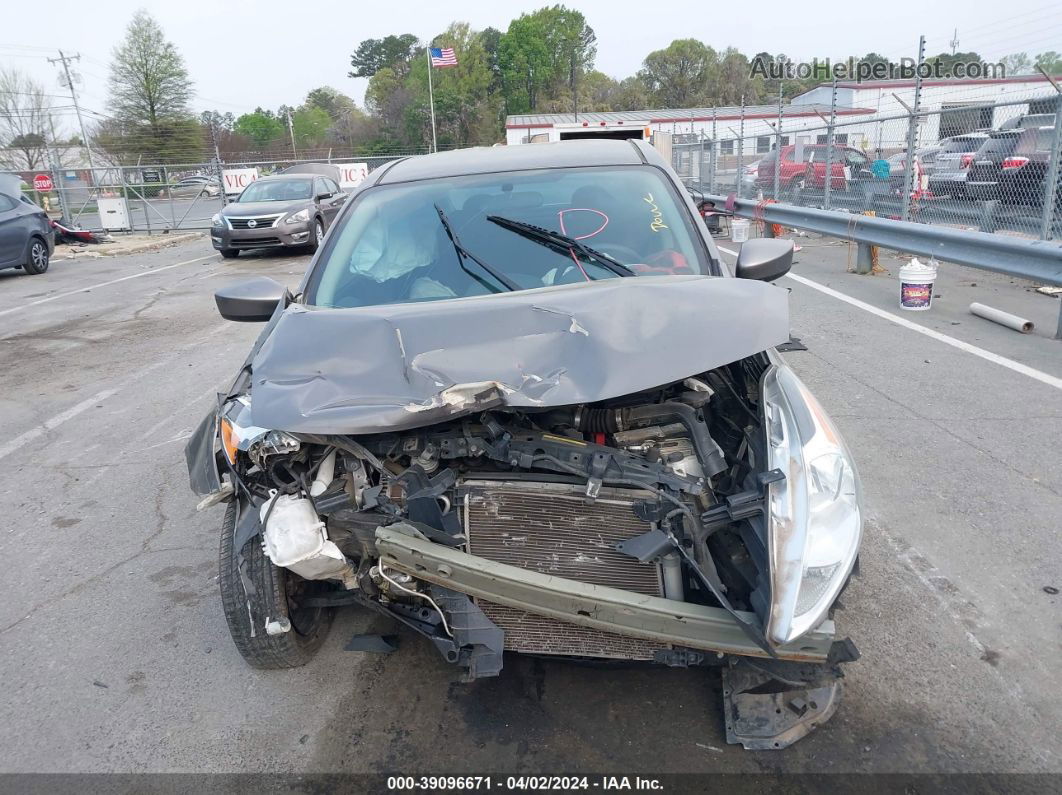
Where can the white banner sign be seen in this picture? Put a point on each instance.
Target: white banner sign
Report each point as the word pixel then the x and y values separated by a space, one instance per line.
pixel 351 174
pixel 236 179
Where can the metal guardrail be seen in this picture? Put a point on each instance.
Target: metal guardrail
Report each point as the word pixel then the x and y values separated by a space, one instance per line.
pixel 1036 260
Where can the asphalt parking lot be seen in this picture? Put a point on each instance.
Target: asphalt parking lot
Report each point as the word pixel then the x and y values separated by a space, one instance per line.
pixel 115 656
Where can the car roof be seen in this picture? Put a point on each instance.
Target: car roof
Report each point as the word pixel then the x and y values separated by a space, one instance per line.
pixel 286 177
pixel 520 157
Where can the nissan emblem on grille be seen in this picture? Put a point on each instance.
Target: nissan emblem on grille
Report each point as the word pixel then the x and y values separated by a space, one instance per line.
pixel 252 224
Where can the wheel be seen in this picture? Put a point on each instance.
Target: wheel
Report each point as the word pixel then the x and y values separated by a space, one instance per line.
pixel 229 253
pixel 318 234
pixel 36 256
pixel 274 593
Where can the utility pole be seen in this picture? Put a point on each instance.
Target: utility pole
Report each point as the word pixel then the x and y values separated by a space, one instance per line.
pixel 291 132
pixel 954 41
pixel 912 135
pixel 828 184
pixel 65 60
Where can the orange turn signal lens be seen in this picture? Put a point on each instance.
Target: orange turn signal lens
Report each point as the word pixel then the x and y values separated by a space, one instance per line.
pixel 228 441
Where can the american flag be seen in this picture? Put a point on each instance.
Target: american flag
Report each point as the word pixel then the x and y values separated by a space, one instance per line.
pixel 443 56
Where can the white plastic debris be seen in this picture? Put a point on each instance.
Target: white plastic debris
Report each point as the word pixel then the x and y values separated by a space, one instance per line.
pixel 277 626
pixel 294 538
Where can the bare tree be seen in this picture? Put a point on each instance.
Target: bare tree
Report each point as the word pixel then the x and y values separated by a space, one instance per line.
pixel 26 121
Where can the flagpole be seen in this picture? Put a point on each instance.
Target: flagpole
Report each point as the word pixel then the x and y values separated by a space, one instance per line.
pixel 431 99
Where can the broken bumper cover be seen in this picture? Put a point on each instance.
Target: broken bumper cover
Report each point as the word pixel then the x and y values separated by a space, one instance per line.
pixel 599 607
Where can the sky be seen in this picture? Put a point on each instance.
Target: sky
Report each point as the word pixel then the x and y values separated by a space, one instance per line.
pixel 244 53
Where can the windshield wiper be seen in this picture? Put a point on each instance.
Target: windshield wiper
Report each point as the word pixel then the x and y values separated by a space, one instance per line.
pixel 463 253
pixel 560 243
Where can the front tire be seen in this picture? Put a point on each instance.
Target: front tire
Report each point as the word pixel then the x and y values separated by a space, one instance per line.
pixel 247 612
pixel 318 234
pixel 37 258
pixel 229 253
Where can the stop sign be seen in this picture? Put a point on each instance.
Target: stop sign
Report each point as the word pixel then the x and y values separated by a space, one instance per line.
pixel 42 182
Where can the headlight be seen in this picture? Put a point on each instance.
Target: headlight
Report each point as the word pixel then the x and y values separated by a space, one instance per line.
pixel 301 217
pixel 216 220
pixel 272 443
pixel 815 521
pixel 238 432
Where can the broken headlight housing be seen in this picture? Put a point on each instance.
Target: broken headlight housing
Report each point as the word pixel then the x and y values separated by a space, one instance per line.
pixel 238 432
pixel 815 518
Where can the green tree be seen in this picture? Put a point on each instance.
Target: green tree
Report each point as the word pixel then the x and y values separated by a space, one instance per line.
pixel 310 125
pixel 947 60
pixel 150 89
pixel 490 39
pixel 372 55
pixel 630 94
pixel 1018 63
pixel 335 103
pixel 526 67
pixel 466 110
pixel 216 120
pixel 262 127
pixel 681 74
pixel 1050 62
pixel 387 99
pixel 732 81
pixel 542 54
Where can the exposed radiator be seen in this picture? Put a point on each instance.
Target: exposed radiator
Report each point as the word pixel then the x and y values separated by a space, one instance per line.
pixel 553 528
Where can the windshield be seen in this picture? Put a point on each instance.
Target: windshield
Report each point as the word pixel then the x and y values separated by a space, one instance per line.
pixel 279 190
pixel 393 247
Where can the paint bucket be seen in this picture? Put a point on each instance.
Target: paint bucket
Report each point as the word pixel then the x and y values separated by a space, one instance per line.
pixel 916 285
pixel 739 230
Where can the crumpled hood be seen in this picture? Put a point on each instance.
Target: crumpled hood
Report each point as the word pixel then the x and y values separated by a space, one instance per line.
pixel 394 367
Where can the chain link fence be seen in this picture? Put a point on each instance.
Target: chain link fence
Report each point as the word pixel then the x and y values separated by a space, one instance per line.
pixel 161 197
pixel 992 166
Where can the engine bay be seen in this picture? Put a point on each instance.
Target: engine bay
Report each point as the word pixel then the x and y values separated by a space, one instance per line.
pixel 640 487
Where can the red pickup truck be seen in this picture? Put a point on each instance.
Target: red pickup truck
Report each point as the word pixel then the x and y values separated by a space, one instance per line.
pixel 807 168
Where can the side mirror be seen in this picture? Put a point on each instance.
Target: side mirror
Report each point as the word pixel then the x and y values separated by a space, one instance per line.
pixel 250 301
pixel 320 196
pixel 764 259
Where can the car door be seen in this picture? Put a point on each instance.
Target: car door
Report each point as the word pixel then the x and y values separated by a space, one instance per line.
pixel 12 232
pixel 328 198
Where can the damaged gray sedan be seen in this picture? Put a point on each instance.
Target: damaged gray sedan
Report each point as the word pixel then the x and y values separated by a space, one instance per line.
pixel 518 403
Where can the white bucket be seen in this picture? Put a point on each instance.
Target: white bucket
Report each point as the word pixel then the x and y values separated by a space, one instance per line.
pixel 739 230
pixel 916 285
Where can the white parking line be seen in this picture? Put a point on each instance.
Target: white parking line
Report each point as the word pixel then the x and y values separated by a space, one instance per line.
pixel 57 296
pixel 33 433
pixel 988 356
